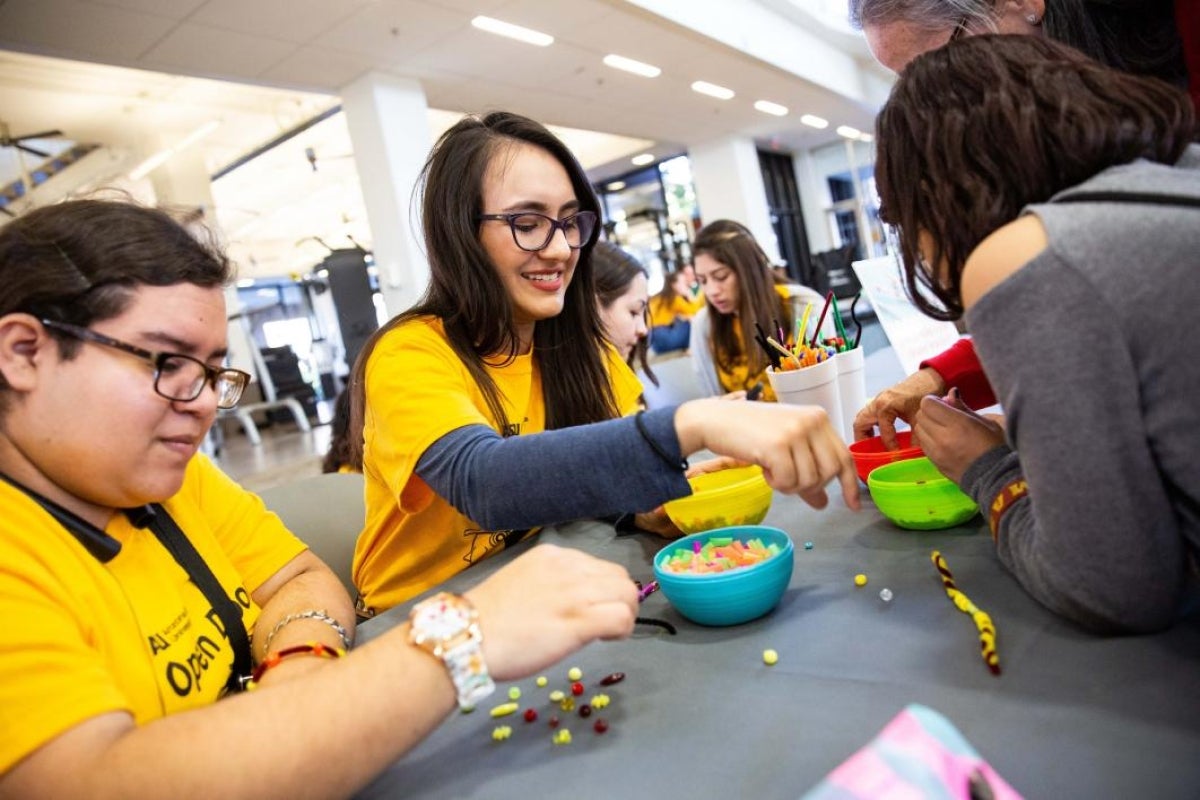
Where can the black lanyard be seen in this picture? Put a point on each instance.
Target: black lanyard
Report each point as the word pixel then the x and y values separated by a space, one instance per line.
pixel 105 548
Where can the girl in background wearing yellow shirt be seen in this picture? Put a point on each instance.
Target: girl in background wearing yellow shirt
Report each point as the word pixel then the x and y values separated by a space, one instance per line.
pixel 671 311
pixel 495 404
pixel 741 290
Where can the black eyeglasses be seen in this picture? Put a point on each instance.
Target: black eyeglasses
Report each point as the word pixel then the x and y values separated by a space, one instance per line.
pixel 533 232
pixel 960 30
pixel 176 376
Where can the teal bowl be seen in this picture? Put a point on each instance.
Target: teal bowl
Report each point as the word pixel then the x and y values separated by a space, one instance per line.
pixel 914 495
pixel 733 597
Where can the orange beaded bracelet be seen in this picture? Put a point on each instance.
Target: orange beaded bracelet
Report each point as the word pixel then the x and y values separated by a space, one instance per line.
pixel 309 648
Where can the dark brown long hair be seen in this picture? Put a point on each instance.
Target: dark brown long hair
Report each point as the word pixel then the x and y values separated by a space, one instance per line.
pixel 466 294
pixel 975 131
pixel 732 244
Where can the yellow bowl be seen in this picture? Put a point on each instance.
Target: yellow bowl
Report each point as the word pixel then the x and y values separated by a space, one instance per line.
pixel 736 496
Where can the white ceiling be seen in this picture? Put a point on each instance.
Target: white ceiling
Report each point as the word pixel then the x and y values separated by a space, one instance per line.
pixel 290 58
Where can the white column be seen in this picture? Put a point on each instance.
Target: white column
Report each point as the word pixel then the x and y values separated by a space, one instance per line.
pixel 814 201
pixel 388 120
pixel 182 182
pixel 729 185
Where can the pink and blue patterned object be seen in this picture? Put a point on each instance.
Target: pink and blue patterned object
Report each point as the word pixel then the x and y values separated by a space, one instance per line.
pixel 919 755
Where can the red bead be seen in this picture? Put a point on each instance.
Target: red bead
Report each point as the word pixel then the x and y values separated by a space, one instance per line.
pixel 585 710
pixel 600 726
pixel 553 722
pixel 530 715
pixel 577 688
pixel 609 680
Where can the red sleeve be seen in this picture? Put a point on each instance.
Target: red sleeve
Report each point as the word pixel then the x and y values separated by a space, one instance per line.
pixel 960 369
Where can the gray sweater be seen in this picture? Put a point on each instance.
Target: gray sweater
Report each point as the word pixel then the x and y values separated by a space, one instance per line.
pixel 1089 347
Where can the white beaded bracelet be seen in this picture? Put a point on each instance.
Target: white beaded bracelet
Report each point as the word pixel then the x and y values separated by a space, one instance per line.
pixel 315 614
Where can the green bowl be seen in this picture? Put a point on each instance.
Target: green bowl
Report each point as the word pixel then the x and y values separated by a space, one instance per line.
pixel 914 495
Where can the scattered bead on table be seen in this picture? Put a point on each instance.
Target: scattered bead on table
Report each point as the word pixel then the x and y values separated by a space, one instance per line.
pixel 531 715
pixel 770 657
pixel 504 709
pixel 562 736
pixel 501 732
pixel 808 545
pixel 860 580
pixel 885 594
pixel 514 693
pixel 542 681
pixel 610 679
pixel 574 674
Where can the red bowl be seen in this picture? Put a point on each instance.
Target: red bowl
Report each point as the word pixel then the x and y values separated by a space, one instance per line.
pixel 870 453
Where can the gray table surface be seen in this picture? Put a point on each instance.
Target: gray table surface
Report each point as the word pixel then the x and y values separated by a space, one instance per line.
pixel 700 715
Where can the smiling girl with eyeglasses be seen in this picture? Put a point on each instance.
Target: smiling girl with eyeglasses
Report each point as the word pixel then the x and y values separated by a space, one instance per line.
pixel 495 404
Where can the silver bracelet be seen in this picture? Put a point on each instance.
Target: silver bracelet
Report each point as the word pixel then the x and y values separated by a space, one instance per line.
pixel 319 616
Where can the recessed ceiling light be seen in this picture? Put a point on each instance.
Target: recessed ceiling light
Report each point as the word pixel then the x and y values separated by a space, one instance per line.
pixel 712 90
pixel 615 186
pixel 774 109
pixel 848 132
pixel 513 31
pixel 813 121
pixel 629 65
pixel 643 159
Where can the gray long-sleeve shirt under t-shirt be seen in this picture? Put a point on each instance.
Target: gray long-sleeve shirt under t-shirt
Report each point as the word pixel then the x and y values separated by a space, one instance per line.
pixel 1091 348
pixel 588 471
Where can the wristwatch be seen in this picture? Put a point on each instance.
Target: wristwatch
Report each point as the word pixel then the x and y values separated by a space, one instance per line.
pixel 447 627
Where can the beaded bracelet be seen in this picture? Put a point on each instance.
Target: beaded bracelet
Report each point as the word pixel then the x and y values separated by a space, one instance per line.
pixel 1004 501
pixel 315 614
pixel 275 659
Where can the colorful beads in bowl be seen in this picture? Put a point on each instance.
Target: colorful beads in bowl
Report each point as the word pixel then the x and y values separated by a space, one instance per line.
pixel 719 554
pixel 733 595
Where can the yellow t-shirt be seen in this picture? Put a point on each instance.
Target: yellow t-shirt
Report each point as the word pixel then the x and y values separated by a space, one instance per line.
pixel 738 376
pixel 418 391
pixel 81 638
pixel 663 313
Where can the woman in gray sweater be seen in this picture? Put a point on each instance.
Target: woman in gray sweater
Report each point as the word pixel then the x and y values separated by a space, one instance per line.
pixel 1056 202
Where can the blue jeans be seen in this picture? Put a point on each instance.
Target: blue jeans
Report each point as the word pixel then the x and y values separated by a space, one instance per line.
pixel 666 338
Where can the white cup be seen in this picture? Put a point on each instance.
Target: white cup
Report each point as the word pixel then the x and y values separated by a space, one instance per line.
pixel 852 387
pixel 810 386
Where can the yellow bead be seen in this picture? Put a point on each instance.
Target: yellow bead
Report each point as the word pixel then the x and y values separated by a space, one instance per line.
pixel 770 657
pixel 501 732
pixel 860 580
pixel 556 696
pixel 505 709
pixel 514 693
pixel 574 673
pixel 542 681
